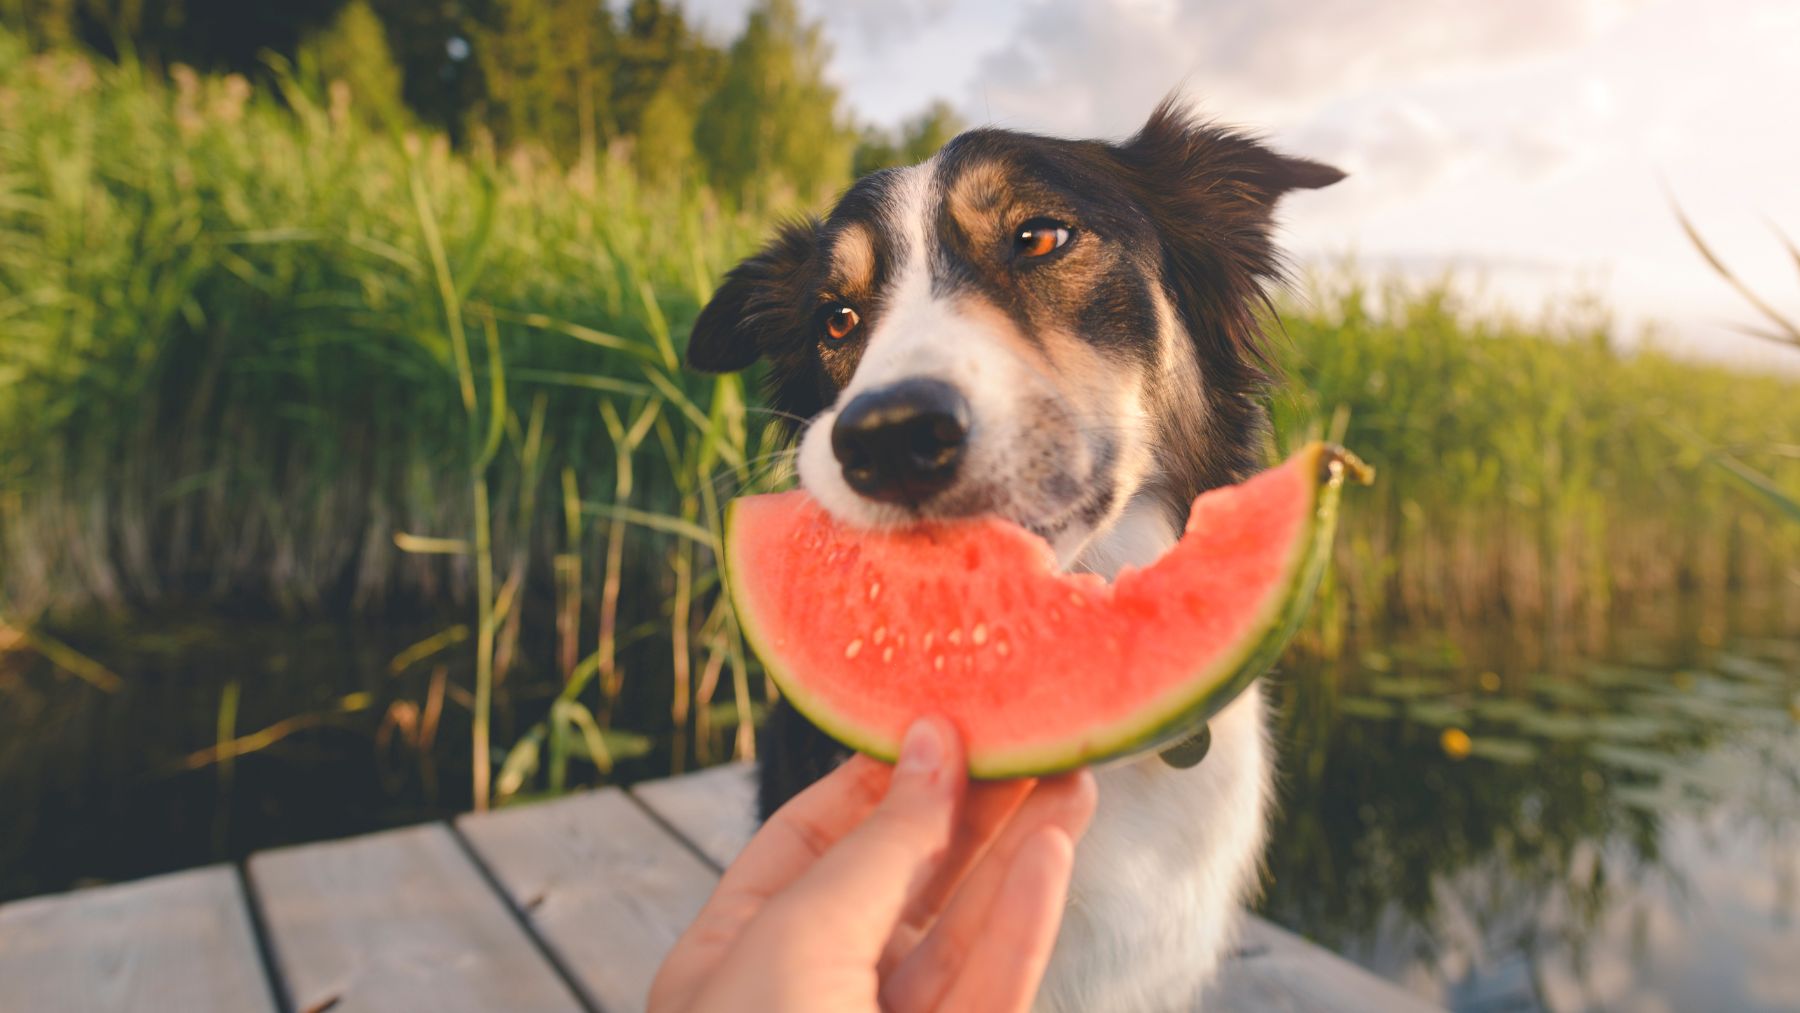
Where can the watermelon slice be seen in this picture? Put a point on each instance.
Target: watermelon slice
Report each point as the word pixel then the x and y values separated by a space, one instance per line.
pixel 1041 671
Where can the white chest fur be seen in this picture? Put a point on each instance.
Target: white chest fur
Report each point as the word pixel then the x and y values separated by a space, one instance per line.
pixel 1171 855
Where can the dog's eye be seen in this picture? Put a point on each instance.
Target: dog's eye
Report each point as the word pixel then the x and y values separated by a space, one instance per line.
pixel 840 320
pixel 1040 236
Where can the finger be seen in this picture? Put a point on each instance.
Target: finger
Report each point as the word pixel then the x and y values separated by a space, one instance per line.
pixel 859 888
pixel 1002 970
pixel 794 837
pixel 921 978
pixel 987 809
pixel 789 843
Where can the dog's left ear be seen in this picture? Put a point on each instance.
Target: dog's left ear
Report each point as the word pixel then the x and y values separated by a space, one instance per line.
pixel 1181 152
pixel 1212 192
pixel 1276 173
pixel 755 308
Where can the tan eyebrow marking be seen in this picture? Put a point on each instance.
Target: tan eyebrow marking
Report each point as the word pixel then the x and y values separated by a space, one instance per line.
pixel 853 259
pixel 977 197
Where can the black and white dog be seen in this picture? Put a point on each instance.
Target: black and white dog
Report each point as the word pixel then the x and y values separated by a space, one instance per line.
pixel 1065 334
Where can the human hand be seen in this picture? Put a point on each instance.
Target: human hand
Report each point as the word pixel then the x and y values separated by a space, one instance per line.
pixel 895 888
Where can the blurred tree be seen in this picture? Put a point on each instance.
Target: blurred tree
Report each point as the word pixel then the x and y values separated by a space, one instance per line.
pixel 429 40
pixel 773 124
pixel 547 70
pixel 224 35
pixel 916 140
pixel 663 148
pixel 353 50
pixel 664 72
pixel 41 23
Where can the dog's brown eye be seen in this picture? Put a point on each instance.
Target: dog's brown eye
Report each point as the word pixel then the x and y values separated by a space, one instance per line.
pixel 1040 236
pixel 840 320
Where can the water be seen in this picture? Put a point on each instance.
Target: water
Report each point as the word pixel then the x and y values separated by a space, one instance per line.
pixel 98 787
pixel 1496 823
pixel 1570 832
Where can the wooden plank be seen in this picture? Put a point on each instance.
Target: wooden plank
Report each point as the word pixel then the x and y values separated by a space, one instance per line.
pixel 1279 971
pixel 177 942
pixel 714 809
pixel 400 920
pixel 605 886
pixel 1274 970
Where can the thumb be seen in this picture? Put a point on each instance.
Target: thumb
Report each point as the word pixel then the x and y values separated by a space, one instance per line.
pixel 862 885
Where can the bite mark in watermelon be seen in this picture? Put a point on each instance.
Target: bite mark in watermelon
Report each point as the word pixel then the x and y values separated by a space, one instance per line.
pixel 1041 671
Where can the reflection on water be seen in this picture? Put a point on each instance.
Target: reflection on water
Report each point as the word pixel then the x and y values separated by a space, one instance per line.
pixel 1498 825
pixel 1619 831
pixel 98 786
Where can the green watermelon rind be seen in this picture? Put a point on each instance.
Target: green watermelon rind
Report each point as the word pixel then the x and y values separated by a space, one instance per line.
pixel 1217 685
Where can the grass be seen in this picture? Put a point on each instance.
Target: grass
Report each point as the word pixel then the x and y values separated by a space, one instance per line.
pixel 256 352
pixel 1533 470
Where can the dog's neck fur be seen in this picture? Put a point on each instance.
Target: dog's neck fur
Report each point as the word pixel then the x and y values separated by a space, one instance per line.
pixel 1139 537
pixel 1172 854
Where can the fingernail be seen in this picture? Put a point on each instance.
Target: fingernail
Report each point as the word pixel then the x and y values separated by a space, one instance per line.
pixel 922 751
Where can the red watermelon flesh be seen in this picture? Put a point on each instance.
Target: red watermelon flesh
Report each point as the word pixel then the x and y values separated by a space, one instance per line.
pixel 864 631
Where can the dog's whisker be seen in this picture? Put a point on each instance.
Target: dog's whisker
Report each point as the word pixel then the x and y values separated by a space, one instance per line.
pixel 799 420
pixel 756 470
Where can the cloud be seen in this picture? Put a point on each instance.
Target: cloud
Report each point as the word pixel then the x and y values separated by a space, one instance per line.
pixel 1096 66
pixel 870 26
pixel 879 24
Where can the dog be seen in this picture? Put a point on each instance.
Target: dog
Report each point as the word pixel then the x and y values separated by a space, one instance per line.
pixel 1066 334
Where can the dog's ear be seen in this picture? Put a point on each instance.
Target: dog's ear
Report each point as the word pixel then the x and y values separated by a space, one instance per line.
pixel 1180 149
pixel 757 305
pixel 1280 173
pixel 1212 193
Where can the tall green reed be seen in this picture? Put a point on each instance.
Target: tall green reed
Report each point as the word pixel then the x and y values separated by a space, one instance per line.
pixel 1527 469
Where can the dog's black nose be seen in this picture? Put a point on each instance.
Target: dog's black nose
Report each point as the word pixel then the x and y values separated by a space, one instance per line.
pixel 902 443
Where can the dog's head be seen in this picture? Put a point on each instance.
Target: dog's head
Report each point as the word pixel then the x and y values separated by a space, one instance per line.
pixel 1035 328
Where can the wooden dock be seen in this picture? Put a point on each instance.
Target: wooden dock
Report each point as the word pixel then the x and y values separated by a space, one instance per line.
pixel 557 906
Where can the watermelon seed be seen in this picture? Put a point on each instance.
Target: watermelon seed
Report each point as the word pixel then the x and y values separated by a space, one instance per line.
pixel 1003 647
pixel 1077 600
pixel 874 590
pixel 880 635
pixel 887 653
pixel 854 648
pixel 978 635
pixel 929 637
pixel 955 637
pixel 938 663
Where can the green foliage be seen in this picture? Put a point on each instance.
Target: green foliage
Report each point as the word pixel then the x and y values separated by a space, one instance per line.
pixel 441 78
pixel 352 52
pixel 664 144
pixel 660 59
pixel 40 23
pixel 230 353
pixel 546 65
pixel 772 130
pixel 663 74
pixel 916 140
pixel 215 35
pixel 1528 467
pixel 1779 328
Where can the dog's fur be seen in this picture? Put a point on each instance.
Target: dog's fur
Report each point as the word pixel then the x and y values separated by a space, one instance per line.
pixel 1109 381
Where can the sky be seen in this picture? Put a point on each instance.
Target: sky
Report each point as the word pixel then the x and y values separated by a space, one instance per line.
pixel 1530 146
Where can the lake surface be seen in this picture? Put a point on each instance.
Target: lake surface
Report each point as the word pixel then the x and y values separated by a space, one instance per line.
pixel 1493 821
pixel 1613 829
